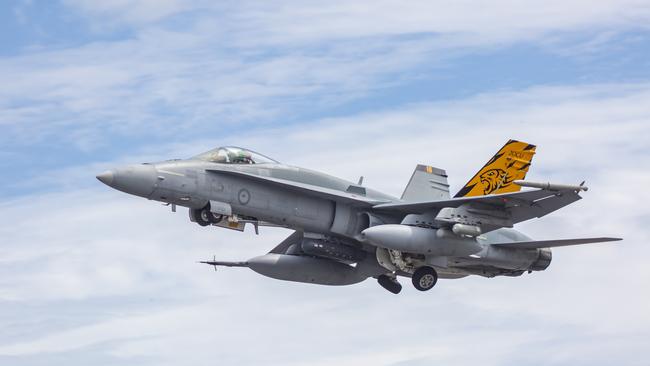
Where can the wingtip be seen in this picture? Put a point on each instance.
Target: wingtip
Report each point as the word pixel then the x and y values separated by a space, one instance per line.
pixel 607 239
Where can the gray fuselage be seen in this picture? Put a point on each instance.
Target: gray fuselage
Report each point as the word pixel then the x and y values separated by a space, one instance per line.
pixel 334 212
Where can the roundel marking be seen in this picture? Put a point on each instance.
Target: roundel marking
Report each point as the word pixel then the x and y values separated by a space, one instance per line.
pixel 243 196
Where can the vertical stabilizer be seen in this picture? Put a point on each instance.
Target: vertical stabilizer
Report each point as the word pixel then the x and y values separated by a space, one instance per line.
pixel 427 184
pixel 510 163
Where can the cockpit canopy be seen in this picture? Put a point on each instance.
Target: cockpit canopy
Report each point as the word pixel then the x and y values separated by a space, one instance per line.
pixel 235 155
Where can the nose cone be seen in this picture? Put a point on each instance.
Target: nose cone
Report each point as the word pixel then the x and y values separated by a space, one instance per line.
pixel 138 180
pixel 106 177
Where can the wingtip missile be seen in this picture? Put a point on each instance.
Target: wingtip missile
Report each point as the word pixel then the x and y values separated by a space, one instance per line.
pixel 216 263
pixel 552 186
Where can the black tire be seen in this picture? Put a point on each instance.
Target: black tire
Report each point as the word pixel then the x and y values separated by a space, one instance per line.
pixel 389 284
pixel 206 216
pixel 424 278
pixel 201 216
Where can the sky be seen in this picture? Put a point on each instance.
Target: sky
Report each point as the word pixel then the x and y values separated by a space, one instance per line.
pixel 89 275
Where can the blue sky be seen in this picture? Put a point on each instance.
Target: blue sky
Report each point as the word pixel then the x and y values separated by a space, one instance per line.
pixel 88 275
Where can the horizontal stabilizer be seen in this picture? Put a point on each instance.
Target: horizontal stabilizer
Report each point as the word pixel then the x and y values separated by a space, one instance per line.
pixel 553 243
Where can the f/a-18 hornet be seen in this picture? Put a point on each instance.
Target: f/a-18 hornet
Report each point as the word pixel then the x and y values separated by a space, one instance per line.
pixel 345 232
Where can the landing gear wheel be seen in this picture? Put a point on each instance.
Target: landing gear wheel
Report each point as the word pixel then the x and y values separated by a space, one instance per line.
pixel 424 278
pixel 201 216
pixel 389 284
pixel 215 218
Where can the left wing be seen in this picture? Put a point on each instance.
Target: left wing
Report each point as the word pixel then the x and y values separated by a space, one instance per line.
pixel 295 238
pixel 538 244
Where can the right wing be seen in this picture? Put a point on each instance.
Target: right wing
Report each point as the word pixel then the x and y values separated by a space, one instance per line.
pixel 538 244
pixel 508 207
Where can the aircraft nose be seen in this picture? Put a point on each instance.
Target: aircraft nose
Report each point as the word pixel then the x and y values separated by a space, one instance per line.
pixel 106 177
pixel 138 180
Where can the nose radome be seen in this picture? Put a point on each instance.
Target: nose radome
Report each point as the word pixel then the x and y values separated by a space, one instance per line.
pixel 106 177
pixel 138 180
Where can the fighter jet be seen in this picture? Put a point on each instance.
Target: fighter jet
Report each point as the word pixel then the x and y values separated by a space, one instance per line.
pixel 345 233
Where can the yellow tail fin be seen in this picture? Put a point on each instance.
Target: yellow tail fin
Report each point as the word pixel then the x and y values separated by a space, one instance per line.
pixel 509 164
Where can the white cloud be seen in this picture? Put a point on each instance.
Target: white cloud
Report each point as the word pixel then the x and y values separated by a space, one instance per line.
pixel 298 21
pixel 253 62
pixel 485 22
pixel 165 83
pixel 133 262
pixel 85 270
pixel 131 12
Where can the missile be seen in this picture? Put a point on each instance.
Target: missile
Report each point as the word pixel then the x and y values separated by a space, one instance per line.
pixel 413 239
pixel 552 186
pixel 469 230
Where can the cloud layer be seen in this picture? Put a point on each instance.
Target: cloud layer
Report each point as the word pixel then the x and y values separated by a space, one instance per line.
pixel 132 262
pixel 191 67
pixel 92 276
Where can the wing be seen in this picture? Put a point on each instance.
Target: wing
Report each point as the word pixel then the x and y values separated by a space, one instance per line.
pixel 500 210
pixel 553 243
pixel 295 238
pixel 327 193
pixel 526 204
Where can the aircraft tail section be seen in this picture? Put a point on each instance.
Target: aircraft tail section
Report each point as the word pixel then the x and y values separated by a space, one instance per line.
pixel 509 164
pixel 427 184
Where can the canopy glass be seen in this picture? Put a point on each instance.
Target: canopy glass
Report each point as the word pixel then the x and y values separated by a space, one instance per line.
pixel 235 155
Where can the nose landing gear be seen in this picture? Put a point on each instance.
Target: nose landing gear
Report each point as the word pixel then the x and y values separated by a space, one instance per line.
pixel 204 216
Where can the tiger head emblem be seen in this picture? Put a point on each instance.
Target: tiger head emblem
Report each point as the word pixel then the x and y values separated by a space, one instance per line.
pixel 494 179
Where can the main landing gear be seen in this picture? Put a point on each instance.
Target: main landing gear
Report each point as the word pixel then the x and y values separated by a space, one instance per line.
pixel 389 283
pixel 424 278
pixel 204 216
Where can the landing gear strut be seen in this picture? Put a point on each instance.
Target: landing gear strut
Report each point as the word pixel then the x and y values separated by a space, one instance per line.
pixel 390 284
pixel 424 278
